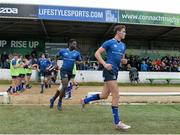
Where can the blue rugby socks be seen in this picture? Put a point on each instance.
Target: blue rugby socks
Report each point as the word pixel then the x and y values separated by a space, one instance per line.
pixel 92 98
pixel 115 114
pixel 59 107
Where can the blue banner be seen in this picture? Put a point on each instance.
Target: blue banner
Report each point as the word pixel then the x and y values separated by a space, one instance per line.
pixel 78 14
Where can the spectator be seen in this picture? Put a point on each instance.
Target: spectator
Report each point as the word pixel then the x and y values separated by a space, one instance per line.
pixel 94 66
pixel 128 67
pixel 163 66
pixel 158 62
pixel 174 68
pixel 4 58
pixel 7 64
pixel 144 66
pixel 178 68
pixel 86 65
pixel 34 53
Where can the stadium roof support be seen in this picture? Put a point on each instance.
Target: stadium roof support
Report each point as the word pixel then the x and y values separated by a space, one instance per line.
pixel 44 29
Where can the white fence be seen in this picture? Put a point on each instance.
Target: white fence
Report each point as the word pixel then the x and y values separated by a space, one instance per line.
pixel 5 75
pixel 96 76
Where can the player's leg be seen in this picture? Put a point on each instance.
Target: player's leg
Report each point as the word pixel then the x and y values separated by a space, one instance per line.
pixel 68 92
pixel 115 109
pixel 55 96
pixel 62 92
pixel 23 82
pixel 63 76
pixel 18 83
pixel 45 74
pixel 28 77
pixel 105 92
pixel 104 95
pixel 46 80
pixel 42 77
pixel 75 83
pixel 42 83
pixel 53 75
pixel 27 80
pixel 49 79
pixel 23 79
pixel 114 91
pixel 9 90
pixel 115 100
pixel 13 85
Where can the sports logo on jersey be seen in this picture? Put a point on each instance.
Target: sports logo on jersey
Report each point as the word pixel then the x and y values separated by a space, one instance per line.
pixel 115 45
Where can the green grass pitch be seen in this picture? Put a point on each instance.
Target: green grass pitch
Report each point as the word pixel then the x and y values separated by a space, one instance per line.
pixel 154 119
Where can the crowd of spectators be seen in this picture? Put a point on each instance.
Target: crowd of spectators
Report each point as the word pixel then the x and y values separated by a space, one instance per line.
pixel 163 64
